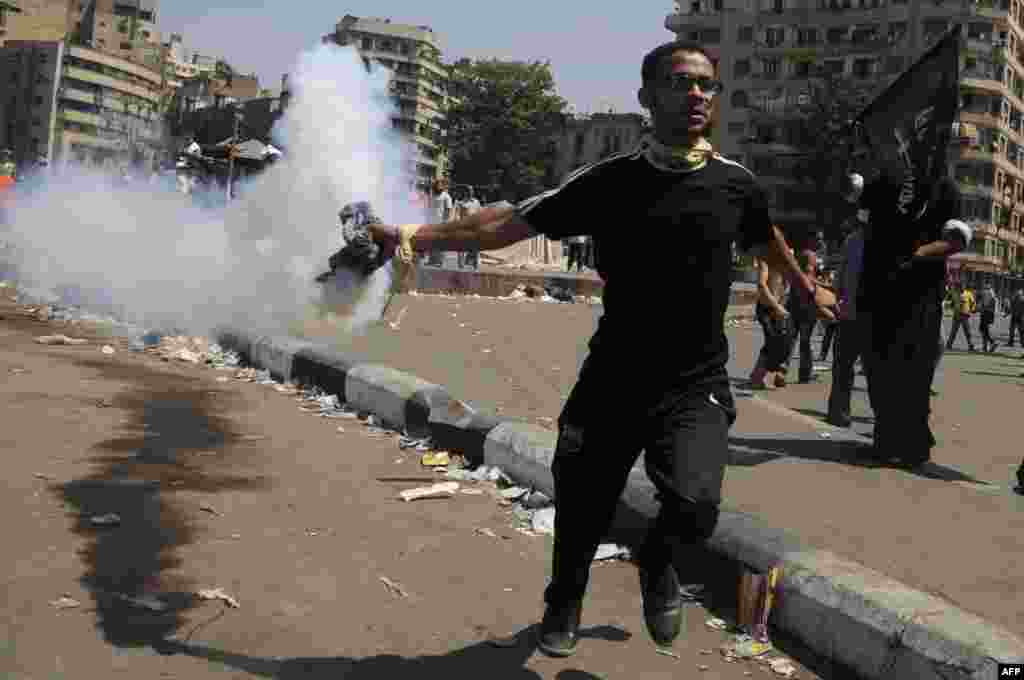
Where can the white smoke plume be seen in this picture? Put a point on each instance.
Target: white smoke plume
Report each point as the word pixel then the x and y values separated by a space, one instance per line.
pixel 157 260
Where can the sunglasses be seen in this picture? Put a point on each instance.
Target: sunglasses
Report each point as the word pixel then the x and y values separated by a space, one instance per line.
pixel 684 82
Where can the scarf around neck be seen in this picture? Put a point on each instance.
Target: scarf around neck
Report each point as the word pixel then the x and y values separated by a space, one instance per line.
pixel 676 158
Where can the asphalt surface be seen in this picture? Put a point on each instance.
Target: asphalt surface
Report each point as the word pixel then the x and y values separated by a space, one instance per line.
pixel 219 483
pixel 954 528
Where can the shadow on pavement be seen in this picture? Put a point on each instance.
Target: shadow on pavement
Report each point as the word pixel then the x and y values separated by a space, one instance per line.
pixel 476 661
pixel 749 451
pixel 175 440
pixel 814 413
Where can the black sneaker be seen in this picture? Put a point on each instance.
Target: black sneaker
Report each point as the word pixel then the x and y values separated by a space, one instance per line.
pixel 663 606
pixel 559 629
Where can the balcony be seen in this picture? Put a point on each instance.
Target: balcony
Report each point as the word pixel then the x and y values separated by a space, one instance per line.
pixel 110 83
pixel 680 22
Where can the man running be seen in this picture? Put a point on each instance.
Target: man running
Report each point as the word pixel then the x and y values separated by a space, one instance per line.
pixel 688 206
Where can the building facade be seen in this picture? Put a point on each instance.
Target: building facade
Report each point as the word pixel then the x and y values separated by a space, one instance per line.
pixel 38 20
pixel 769 50
pixel 124 28
pixel 69 103
pixel 588 139
pixel 419 82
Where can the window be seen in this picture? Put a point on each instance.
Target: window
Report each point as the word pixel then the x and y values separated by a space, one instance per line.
pixel 367 43
pixel 897 31
pixel 386 45
pixel 746 34
pixel 737 128
pixel 863 68
pixel 741 68
pixel 864 34
pixel 807 36
pixel 834 36
pixel 777 6
pixel 773 37
pixel 771 67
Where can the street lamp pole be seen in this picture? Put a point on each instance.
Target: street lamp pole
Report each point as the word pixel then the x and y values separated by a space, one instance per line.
pixel 231 154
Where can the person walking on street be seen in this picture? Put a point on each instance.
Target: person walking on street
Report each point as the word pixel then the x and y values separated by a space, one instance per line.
pixel 987 303
pixel 963 308
pixel 831 327
pixel 909 238
pixel 851 342
pixel 690 205
pixel 803 315
pixel 576 245
pixel 770 370
pixel 1016 313
pixel 444 211
pixel 468 206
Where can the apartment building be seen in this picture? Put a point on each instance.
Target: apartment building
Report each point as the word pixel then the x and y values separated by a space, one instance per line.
pixel 75 104
pixel 770 48
pixel 419 82
pixel 38 20
pixel 124 28
pixel 588 139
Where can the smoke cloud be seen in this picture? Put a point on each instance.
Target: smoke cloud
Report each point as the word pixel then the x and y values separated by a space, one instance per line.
pixel 153 258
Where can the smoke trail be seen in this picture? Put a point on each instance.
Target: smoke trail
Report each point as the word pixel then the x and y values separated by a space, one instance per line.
pixel 154 258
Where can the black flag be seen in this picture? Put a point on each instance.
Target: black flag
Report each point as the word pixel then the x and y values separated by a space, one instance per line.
pixel 909 125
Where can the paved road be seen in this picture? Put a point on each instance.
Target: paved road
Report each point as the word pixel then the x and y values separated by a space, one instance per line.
pixel 229 485
pixel 953 529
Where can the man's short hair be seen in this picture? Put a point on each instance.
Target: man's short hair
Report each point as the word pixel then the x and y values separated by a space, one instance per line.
pixel 654 63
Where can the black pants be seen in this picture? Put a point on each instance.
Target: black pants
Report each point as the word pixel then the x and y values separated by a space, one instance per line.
pixel 831 328
pixel 683 431
pixel 1016 328
pixel 575 256
pixel 775 351
pixel 985 326
pixel 803 331
pixel 900 362
pixel 850 346
pixel 960 321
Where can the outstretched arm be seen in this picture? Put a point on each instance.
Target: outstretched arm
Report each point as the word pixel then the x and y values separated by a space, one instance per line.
pixel 486 229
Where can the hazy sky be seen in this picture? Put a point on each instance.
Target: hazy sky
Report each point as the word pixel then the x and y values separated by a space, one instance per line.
pixel 595 48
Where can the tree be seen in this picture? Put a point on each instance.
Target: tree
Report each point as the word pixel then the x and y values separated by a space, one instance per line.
pixel 503 125
pixel 821 131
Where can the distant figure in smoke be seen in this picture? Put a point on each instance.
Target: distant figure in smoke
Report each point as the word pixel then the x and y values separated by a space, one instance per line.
pixel 689 205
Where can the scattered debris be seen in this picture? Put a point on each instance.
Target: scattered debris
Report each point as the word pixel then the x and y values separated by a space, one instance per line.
pixel 393 587
pixel 438 459
pixel 398 319
pixel 483 531
pixel 187 356
pixel 665 651
pixel 514 493
pixel 218 594
pixel 783 667
pixel 442 490
pixel 65 602
pixel 60 340
pixel 472 492
pixel 716 624
pixel 703 667
pixel 826 435
pixel 693 592
pixel 107 349
pixel 543 521
pixel 505 642
pixel 745 647
pixel 210 509
pixel 222 379
pixel 41 475
pixel 107 520
pixel 411 442
pixel 18 371
pixel 611 551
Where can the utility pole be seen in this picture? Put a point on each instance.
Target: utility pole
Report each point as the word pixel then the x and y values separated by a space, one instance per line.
pixel 234 144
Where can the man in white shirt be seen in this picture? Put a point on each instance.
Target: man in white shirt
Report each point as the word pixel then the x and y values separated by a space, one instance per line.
pixel 467 207
pixel 444 211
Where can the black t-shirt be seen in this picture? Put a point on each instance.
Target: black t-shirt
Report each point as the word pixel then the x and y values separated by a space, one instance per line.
pixel 664 249
pixel 892 237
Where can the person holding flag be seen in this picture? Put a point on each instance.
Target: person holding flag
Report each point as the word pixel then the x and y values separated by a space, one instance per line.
pixel 913 228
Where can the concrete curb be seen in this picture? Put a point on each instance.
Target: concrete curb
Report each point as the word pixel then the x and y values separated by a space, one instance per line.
pixel 843 611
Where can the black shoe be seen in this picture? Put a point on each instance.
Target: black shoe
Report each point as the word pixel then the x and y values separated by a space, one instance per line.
pixel 663 606
pixel 913 462
pixel 559 629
